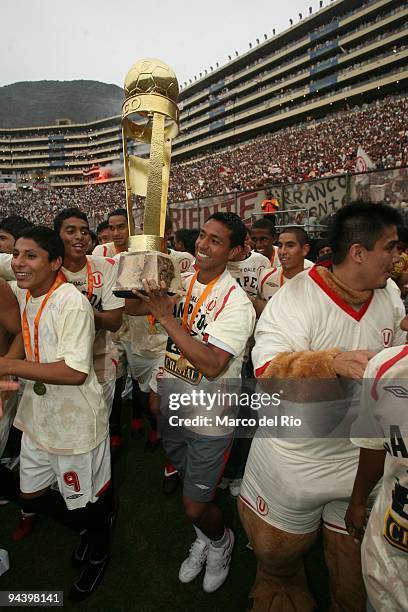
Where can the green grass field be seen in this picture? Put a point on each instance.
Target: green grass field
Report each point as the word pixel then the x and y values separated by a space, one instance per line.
pixel 151 539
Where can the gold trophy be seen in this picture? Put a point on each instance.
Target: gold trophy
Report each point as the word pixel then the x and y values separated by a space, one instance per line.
pixel 150 116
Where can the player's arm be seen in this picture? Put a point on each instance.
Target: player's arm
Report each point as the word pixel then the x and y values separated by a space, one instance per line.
pixel 370 470
pixel 258 303
pixel 57 373
pixel 210 360
pixel 111 320
pixel 136 307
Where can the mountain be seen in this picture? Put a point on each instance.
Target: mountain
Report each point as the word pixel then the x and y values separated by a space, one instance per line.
pixel 33 103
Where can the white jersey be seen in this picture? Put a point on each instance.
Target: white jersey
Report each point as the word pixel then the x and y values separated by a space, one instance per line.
pixel 286 325
pixel 274 261
pixel 67 419
pixel 148 338
pixel 184 259
pixel 6 270
pixel 384 414
pixel 105 250
pixel 104 272
pixel 249 271
pixel 225 320
pixel 271 280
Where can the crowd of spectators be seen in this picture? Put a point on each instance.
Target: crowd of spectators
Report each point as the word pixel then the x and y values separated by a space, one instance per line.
pixel 311 150
pixel 300 153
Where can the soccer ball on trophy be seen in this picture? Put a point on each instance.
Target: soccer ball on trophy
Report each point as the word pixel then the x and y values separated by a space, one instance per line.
pixel 151 76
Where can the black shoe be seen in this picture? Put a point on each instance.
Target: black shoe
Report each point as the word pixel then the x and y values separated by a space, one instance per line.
pixel 80 554
pixel 89 580
pixel 171 483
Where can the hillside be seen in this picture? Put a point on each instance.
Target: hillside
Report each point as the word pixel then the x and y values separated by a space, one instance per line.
pixel 32 103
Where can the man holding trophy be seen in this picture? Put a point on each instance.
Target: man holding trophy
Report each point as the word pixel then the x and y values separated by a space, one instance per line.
pixel 206 315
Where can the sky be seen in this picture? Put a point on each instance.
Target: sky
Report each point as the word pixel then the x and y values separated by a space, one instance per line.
pixel 101 39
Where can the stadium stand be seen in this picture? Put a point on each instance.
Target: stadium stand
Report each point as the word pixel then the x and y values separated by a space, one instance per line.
pixel 293 108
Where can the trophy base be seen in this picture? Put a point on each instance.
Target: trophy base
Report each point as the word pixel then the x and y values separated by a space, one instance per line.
pixel 135 266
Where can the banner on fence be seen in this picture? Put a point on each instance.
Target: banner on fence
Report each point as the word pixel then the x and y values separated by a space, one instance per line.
pixel 321 198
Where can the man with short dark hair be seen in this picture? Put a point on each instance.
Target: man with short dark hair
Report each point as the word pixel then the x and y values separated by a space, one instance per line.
pixel 10 229
pixel 95 277
pixel 293 246
pixel 263 236
pixel 208 330
pixel 119 230
pixel 62 413
pixel 323 324
pixel 103 232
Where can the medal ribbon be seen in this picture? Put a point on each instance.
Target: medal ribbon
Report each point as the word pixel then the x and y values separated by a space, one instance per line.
pixel 90 284
pixel 188 324
pixel 281 279
pixel 24 322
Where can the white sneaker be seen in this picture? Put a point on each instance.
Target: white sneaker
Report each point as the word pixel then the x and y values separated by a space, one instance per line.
pixel 235 486
pixel 218 563
pixel 192 566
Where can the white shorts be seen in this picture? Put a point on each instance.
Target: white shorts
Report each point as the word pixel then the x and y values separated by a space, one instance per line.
pixel 294 495
pixel 81 478
pixel 141 368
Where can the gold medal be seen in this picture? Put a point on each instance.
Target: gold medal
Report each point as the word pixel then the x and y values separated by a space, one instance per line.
pixel 40 388
pixel 181 364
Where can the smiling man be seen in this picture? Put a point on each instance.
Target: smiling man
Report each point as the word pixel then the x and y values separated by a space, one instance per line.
pixel 208 330
pixel 263 236
pixel 324 324
pixel 95 278
pixel 62 413
pixel 293 246
pixel 119 232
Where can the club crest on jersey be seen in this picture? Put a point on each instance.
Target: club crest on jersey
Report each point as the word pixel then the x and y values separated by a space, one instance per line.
pixel 184 264
pixel 211 305
pixel 262 506
pixel 97 279
pixel 388 336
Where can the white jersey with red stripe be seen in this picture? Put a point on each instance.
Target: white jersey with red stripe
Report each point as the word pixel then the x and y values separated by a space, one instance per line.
pixel 274 260
pixel 271 280
pixel 249 271
pixel 225 320
pixel 104 272
pixel 66 419
pixel 105 250
pixel 306 315
pixel 383 415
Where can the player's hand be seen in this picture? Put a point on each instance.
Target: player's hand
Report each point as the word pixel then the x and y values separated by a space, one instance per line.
pixel 351 364
pixel 158 301
pixel 6 386
pixel 356 520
